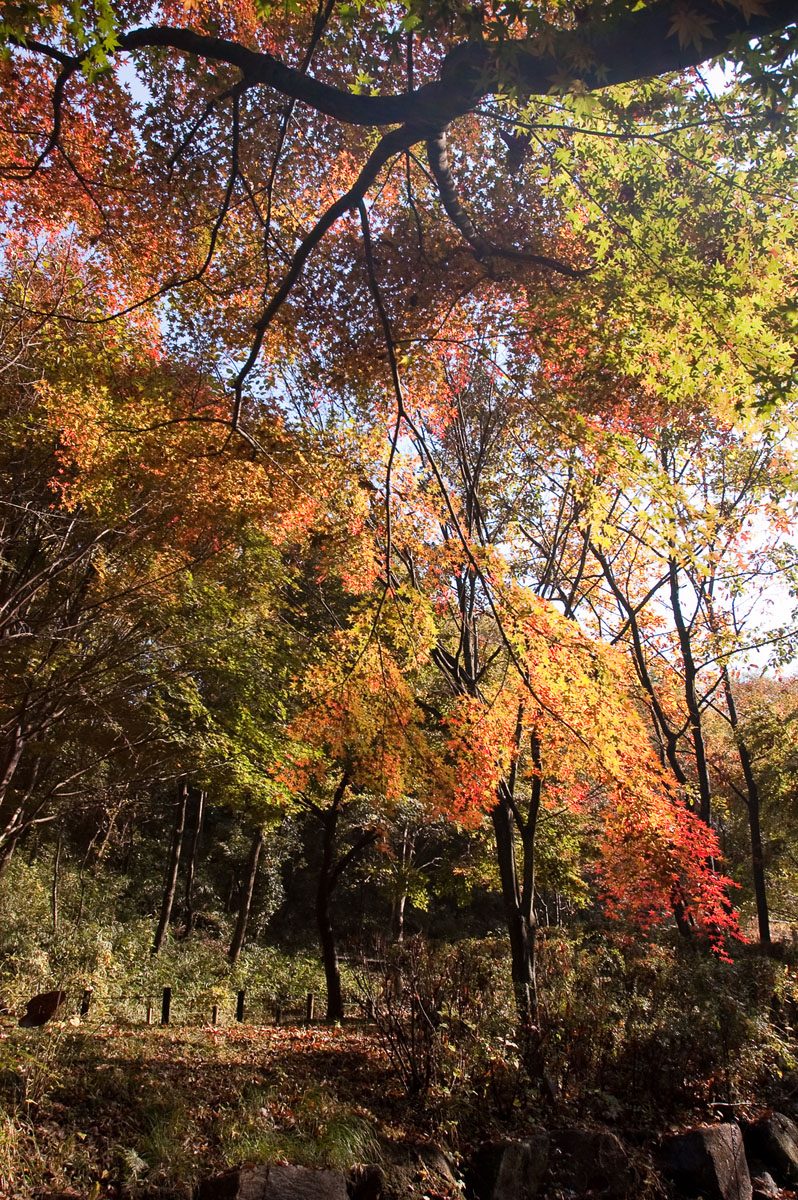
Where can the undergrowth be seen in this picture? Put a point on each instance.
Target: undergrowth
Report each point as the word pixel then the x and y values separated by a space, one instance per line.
pixel 634 1034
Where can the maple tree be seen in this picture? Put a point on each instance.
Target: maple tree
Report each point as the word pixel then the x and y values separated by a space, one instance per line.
pixel 614 255
pixel 681 563
pixel 137 584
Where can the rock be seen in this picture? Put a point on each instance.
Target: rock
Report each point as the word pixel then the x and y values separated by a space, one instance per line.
pixel 366 1183
pixel 774 1142
pixel 417 1171
pixel 274 1183
pixel 508 1170
pixel 41 1008
pixel 708 1162
pixel 765 1186
pixel 595 1162
pixel 412 1172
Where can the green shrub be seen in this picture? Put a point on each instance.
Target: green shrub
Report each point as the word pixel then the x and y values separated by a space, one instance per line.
pixel 627 1022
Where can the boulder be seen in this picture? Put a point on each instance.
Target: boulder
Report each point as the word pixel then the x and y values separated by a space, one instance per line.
pixel 708 1162
pixel 774 1143
pixel 593 1162
pixel 508 1170
pixel 416 1171
pixel 41 1008
pixel 274 1183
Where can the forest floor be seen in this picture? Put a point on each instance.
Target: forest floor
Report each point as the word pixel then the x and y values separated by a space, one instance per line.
pixel 111 1110
pixel 105 1111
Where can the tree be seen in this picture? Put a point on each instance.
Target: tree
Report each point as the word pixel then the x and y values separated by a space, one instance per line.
pixel 685 559
pixel 590 222
pixel 202 138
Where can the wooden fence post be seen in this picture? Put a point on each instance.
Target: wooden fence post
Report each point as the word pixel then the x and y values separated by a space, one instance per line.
pixel 166 1005
pixel 149 1014
pixel 215 1016
pixel 310 1007
pixel 240 1006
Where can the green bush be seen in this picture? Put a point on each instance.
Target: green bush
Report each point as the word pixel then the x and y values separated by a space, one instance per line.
pixel 628 1023
pixel 93 948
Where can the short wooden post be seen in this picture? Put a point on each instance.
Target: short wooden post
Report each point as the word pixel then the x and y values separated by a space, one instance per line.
pixel 310 1007
pixel 166 1005
pixel 278 1013
pixel 149 1014
pixel 240 1006
pixel 215 1016
pixel 85 1003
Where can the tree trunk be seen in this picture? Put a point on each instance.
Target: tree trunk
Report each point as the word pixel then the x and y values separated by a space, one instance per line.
pixel 757 855
pixel 170 883
pixel 753 803
pixel 683 630
pixel 56 880
pixel 12 757
pixel 329 874
pixel 247 892
pixel 400 896
pixel 191 868
pixel 520 929
pixel 398 918
pixel 324 890
pixel 7 852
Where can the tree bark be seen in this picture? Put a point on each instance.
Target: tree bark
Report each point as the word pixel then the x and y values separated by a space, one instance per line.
pixel 640 44
pixel 753 803
pixel 247 892
pixel 329 874
pixel 520 929
pixel 691 694
pixel 172 867
pixel 400 897
pixel 56 880
pixel 191 867
pixel 324 889
pixel 7 852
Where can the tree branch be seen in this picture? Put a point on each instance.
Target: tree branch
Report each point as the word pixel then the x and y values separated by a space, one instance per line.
pixel 438 158
pixel 636 45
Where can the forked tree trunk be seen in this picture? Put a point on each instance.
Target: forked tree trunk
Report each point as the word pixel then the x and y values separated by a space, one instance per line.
pixel 173 865
pixel 329 874
pixel 520 929
pixel 247 892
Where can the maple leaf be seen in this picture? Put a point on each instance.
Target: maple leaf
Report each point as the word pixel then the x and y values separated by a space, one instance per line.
pixel 750 8
pixel 690 26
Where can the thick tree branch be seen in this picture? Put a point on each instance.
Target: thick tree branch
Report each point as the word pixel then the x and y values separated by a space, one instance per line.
pixel 637 45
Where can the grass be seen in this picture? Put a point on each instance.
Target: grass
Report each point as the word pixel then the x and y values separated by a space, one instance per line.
pixel 114 1110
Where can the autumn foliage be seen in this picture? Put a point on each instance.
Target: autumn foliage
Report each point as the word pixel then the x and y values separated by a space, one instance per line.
pixel 367 469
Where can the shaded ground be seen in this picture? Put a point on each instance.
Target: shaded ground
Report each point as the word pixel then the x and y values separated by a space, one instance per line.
pixel 109 1109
